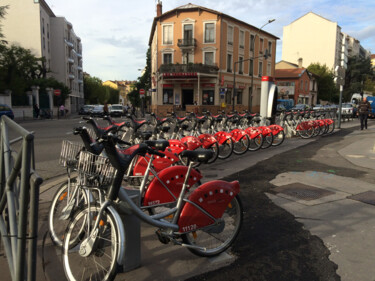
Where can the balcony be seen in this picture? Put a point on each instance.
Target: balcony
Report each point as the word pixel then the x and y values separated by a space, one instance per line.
pixel 71 76
pixel 70 60
pixel 187 43
pixel 69 43
pixel 188 68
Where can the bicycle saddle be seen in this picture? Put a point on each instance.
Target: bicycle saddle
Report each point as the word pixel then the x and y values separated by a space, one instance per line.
pixel 158 144
pixel 199 155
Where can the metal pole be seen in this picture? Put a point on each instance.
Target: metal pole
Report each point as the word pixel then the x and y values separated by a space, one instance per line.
pixel 340 107
pixel 234 84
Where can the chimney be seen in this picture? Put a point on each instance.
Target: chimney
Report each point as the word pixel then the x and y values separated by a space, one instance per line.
pixel 300 62
pixel 159 7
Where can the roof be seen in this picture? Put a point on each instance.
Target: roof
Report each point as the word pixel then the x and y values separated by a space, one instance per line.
pixel 372 56
pixel 314 15
pixel 190 6
pixel 289 73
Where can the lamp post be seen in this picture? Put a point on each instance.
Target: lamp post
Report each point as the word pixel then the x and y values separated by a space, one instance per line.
pixel 253 58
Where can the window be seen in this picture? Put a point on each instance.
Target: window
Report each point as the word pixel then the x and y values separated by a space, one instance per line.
pixel 209 33
pixel 268 69
pixel 230 35
pixel 209 58
pixel 260 69
pixel 269 48
pixel 167 34
pixel 240 65
pixel 188 58
pixel 301 85
pixel 306 86
pixel 208 97
pixel 167 96
pixel 242 39
pixel 252 38
pixel 188 32
pixel 251 67
pixel 229 63
pixel 239 96
pixel 261 46
pixel 167 58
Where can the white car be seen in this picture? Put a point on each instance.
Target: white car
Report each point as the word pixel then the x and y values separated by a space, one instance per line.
pixel 116 110
pixel 347 110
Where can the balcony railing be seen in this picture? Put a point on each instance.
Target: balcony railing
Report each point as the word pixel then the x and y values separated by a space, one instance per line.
pixel 191 67
pixel 187 43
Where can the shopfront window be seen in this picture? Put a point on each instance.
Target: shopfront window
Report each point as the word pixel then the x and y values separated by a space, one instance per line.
pixel 239 96
pixel 228 96
pixel 208 97
pixel 167 96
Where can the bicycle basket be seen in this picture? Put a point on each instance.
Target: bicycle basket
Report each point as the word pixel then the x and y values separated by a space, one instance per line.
pixel 96 169
pixel 69 153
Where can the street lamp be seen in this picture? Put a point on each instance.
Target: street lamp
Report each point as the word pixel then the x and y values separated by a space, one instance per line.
pixel 253 48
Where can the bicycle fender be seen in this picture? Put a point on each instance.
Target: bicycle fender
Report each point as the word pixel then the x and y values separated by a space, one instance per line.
pixel 173 179
pixel 213 197
pixel 159 163
pixel 253 132
pixel 265 130
pixel 276 129
pixel 329 121
pixel 222 137
pixel 191 142
pixel 176 146
pixel 237 134
pixel 303 126
pixel 207 140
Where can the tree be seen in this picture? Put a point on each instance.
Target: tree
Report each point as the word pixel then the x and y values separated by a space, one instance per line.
pixel 45 83
pixel 359 76
pixel 95 92
pixel 3 42
pixel 327 89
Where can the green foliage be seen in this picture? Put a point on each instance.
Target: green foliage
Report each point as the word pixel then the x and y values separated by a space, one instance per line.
pixel 359 76
pixel 96 93
pixel 327 89
pixel 45 83
pixel 3 42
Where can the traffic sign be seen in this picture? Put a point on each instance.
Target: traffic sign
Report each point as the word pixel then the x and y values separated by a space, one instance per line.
pixel 57 92
pixel 142 92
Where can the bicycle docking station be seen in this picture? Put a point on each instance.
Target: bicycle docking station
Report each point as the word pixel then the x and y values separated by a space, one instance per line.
pixel 268 100
pixel 132 228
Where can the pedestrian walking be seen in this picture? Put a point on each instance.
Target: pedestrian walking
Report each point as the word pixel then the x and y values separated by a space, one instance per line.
pixel 36 111
pixel 363 112
pixel 62 110
pixel 105 109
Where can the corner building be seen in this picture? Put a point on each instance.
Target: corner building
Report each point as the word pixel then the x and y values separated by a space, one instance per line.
pixel 194 53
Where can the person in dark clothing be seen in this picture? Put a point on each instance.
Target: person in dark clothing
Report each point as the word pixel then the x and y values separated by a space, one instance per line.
pixel 363 112
pixel 36 111
pixel 105 109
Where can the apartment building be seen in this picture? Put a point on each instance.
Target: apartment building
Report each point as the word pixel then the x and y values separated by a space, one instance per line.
pixel 51 37
pixel 316 39
pixel 195 52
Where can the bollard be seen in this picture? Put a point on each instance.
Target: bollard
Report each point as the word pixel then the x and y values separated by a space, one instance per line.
pixel 132 225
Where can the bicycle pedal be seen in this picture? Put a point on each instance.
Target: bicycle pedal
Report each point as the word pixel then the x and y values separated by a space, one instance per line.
pixel 162 238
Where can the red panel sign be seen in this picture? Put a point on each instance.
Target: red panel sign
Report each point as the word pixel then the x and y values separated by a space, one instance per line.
pixel 208 85
pixel 57 92
pixel 142 92
pixel 167 85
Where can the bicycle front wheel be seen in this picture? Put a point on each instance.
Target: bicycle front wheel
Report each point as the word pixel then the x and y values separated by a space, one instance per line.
pixel 89 258
pixel 66 201
pixel 256 142
pixel 226 149
pixel 267 140
pixel 278 138
pixel 215 239
pixel 215 149
pixel 241 146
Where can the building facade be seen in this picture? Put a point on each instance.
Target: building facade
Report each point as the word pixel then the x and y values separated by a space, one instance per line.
pixel 50 37
pixel 124 88
pixel 195 52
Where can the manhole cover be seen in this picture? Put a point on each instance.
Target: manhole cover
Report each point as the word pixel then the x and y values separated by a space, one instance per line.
pixel 302 191
pixel 367 197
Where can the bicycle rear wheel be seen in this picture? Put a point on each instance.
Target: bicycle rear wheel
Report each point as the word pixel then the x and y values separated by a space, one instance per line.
pixel 267 141
pixel 217 238
pixel 225 149
pixel 241 146
pixel 278 138
pixel 215 149
pixel 256 143
pixel 306 133
pixel 83 260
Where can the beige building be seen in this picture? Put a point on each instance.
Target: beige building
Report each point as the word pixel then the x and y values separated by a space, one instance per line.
pixel 47 36
pixel 195 52
pixel 124 88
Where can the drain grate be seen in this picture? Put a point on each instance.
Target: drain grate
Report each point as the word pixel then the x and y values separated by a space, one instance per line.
pixel 302 191
pixel 367 197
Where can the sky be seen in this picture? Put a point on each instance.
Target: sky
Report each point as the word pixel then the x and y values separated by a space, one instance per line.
pixel 115 33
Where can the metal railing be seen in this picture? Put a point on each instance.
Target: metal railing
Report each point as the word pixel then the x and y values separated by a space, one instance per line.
pixel 19 193
pixel 183 43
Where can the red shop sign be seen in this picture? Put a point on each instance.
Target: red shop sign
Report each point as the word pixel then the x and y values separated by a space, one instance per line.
pixel 208 85
pixel 167 85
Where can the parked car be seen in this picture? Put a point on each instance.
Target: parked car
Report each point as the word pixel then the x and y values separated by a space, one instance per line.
pixel 116 110
pixel 6 110
pixel 347 110
pixel 301 106
pixel 280 108
pixel 85 110
pixel 97 110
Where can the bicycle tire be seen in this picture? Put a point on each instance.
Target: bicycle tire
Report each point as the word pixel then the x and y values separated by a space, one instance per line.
pixel 331 128
pixel 256 143
pixel 278 138
pixel 226 149
pixel 242 145
pixel 87 268
pixel 216 239
pixel 267 141
pixel 306 134
pixel 56 222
